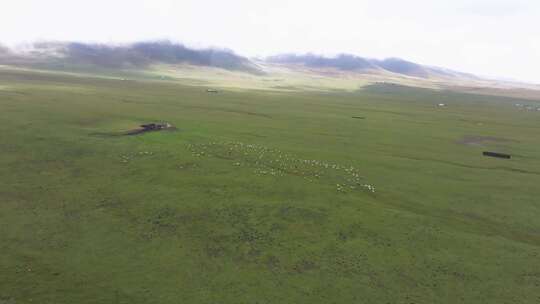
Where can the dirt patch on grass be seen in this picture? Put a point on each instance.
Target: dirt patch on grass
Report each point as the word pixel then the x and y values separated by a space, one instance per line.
pixel 226 110
pixel 150 127
pixel 475 140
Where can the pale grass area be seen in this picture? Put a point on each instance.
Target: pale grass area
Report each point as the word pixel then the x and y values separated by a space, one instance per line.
pixel 46 87
pixel 71 88
pixel 57 72
pixel 299 78
pixel 280 78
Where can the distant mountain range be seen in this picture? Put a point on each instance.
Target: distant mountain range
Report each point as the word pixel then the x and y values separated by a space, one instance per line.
pixel 136 55
pixel 144 54
pixel 346 62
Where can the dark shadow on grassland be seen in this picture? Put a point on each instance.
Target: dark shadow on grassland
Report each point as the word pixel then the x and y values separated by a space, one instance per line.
pixel 470 222
pixel 443 95
pixel 519 93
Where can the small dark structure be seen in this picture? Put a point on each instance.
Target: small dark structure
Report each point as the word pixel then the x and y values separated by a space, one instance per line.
pixel 495 154
pixel 150 127
pixel 358 117
pixel 153 126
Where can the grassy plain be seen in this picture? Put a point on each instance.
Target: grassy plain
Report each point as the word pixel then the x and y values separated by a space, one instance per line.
pixel 262 196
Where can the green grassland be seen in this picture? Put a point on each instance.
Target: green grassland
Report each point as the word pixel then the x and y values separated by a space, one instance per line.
pixel 264 196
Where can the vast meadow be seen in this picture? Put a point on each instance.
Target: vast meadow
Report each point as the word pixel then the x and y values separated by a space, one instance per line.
pixel 375 195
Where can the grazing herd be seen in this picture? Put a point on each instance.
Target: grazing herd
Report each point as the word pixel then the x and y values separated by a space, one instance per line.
pixel 273 162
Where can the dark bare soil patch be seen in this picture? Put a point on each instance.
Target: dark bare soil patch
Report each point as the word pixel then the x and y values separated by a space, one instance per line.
pixel 151 127
pixel 226 110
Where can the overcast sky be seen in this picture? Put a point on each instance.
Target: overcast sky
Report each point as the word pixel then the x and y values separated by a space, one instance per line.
pixel 487 37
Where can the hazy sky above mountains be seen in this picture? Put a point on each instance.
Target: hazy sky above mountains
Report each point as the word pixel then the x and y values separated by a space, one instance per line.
pixel 486 37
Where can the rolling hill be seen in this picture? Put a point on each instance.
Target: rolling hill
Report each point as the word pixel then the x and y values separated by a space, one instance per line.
pixel 165 60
